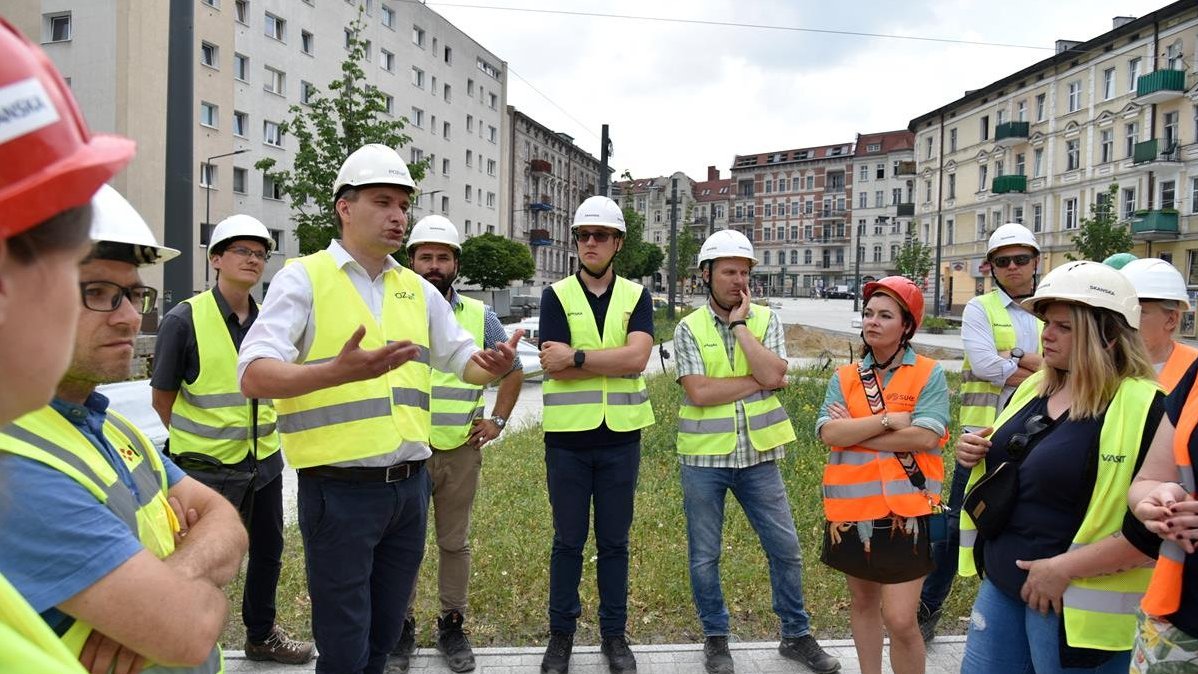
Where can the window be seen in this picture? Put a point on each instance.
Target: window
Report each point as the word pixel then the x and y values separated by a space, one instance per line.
pixel 1037 217
pixel 983 178
pixel 927 144
pixel 1040 100
pixel 241 123
pixel 1133 73
pixel 877 253
pixel 1129 202
pixel 1170 130
pixel 418 36
pixel 448 98
pixel 448 55
pixel 981 232
pixel 241 11
pixel 952 186
pixel 896 195
pixel 1069 211
pixel 880 171
pixel 207 175
pixel 469 87
pixel 271 134
pixel 307 41
pixel 862 199
pixel 209 114
pixel 470 162
pixel 811 179
pixel 276 81
pixel 1108 84
pixel 445 130
pixel 1131 133
pixel 1193 196
pixel 388 16
pixel 367 48
pixel 952 139
pixel 1072 154
pixel 418 117
pixel 444 204
pixel 58 27
pixel 1075 96
pixel 240 179
pixel 276 27
pixel 492 100
pixel 417 154
pixel 1173 56
pixel 387 60
pixel 212 3
pixel 492 134
pixel 209 55
pixel 444 167
pixel 927 191
pixel 469 193
pixel 488 69
pixel 984 130
pixel 1000 117
pixel 307 89
pixel 863 173
pixel 1020 164
pixel 469 123
pixel 389 103
pixel 1106 145
pixel 1021 111
pixel 490 167
pixel 417 77
pixel 271 189
pixel 241 67
pixel 1038 162
pixel 1017 214
pixel 1168 194
pixel 878 195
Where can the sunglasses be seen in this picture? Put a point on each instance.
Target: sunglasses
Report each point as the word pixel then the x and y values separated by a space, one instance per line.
pixel 599 237
pixel 1034 426
pixel 1003 261
pixel 105 296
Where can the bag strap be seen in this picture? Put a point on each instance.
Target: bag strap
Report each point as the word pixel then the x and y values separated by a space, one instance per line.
pixel 877 405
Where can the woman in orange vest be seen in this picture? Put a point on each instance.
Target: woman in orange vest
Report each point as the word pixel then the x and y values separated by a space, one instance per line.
pixel 885 421
pixel 1163 300
pixel 1163 498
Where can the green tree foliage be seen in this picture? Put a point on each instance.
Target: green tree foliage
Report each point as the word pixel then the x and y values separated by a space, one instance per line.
pixel 333 123
pixel 491 261
pixel 914 261
pixel 637 258
pixel 1102 235
pixel 688 248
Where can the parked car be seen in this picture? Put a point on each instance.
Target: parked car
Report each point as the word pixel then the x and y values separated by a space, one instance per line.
pixel 132 400
pixel 841 292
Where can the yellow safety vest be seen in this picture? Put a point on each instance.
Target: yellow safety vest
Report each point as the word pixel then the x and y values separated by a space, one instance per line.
pixel 27 644
pixel 210 416
pixel 1100 612
pixel 979 398
pixel 46 436
pixel 583 404
pixel 711 429
pixel 455 403
pixel 366 418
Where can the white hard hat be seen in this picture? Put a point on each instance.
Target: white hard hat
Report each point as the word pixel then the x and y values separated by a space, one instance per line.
pixel 373 164
pixel 1155 279
pixel 114 220
pixel 1012 234
pixel 240 226
pixel 726 243
pixel 600 212
pixel 1090 283
pixel 435 229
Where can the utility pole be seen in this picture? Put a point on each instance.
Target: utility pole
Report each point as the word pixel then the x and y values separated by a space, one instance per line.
pixel 177 190
pixel 856 267
pixel 605 152
pixel 673 244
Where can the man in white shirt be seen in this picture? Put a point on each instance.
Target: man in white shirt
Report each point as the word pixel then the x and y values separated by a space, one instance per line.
pixel 354 407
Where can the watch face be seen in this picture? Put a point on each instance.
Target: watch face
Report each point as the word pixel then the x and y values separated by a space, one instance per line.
pixel 1017 352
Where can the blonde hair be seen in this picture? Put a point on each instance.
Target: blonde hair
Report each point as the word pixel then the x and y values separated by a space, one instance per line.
pixel 1105 352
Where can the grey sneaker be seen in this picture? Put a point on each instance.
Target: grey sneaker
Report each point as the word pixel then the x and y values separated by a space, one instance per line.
pixel 806 649
pixel 620 659
pixel 401 655
pixel 453 644
pixel 557 653
pixel 717 659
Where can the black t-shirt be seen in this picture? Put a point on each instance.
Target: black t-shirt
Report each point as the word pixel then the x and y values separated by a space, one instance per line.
pixel 1056 480
pixel 554 328
pixel 1186 619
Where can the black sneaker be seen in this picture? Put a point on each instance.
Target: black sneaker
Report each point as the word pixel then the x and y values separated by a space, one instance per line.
pixel 453 644
pixel 927 623
pixel 717 659
pixel 619 655
pixel 557 653
pixel 401 655
pixel 806 649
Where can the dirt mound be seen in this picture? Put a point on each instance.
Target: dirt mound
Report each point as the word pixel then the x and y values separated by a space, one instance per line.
pixel 807 342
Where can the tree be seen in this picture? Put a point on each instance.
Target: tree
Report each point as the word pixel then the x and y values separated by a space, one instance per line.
pixel 637 258
pixel 688 248
pixel 328 128
pixel 491 261
pixel 914 261
pixel 1102 235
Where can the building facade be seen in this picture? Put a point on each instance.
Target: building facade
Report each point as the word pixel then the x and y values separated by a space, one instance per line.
pixel 883 203
pixel 650 198
pixel 1043 145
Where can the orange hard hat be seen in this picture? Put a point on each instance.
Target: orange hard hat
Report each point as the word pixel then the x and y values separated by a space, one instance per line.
pixel 904 291
pixel 49 161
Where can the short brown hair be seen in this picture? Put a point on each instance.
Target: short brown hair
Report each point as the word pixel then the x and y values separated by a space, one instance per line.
pixel 69 229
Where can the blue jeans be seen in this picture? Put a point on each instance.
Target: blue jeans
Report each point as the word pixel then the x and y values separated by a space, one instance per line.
pixel 363 543
pixel 944 553
pixel 761 494
pixel 1005 635
pixel 607 475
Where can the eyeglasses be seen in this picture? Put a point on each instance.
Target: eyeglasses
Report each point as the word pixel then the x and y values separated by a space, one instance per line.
pixel 246 252
pixel 105 296
pixel 1002 261
pixel 599 237
pixel 1017 445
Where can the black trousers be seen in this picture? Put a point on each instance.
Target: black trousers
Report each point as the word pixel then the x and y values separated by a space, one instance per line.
pixel 265 526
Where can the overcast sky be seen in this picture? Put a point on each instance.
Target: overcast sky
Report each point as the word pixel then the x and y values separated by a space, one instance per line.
pixel 682 96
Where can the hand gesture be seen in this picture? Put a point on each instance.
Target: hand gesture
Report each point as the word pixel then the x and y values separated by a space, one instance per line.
pixel 556 356
pixel 1156 508
pixel 102 655
pixel 1183 524
pixel 741 311
pixel 354 363
pixel 498 361
pixel 973 447
pixel 483 431
pixel 1045 585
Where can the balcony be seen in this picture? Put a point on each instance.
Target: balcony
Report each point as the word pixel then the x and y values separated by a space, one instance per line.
pixel 906 210
pixel 1010 133
pixel 830 214
pixel 1009 184
pixel 539 167
pixel 906 168
pixel 1160 86
pixel 545 204
pixel 1147 152
pixel 1155 225
pixel 539 237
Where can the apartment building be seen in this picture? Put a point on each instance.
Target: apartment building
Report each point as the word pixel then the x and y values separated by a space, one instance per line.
pixel 795 205
pixel 1044 144
pixel 650 197
pixel 883 208
pixel 254 59
pixel 713 204
pixel 550 178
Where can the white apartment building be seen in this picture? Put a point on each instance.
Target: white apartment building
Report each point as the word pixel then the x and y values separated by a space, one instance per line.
pixel 650 198
pixel 883 193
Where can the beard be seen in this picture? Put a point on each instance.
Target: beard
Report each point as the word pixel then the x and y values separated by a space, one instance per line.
pixel 441 283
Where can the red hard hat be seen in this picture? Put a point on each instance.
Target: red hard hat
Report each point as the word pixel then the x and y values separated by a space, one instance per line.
pixel 49 161
pixel 903 290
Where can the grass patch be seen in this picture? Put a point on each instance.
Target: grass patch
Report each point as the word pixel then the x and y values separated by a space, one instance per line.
pixel 512 533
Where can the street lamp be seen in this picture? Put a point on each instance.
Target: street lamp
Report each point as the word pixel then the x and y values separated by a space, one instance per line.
pixel 208 196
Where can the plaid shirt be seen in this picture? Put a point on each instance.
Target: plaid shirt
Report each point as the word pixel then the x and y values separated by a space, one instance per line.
pixel 689 361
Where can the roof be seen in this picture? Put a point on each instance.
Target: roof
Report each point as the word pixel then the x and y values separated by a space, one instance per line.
pixel 765 159
pixel 888 141
pixel 715 190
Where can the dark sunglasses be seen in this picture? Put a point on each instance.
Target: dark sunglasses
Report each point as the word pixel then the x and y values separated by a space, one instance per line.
pixel 1003 261
pixel 106 296
pixel 1034 426
pixel 599 237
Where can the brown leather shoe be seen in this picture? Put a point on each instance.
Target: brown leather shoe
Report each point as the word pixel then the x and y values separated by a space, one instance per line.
pixel 280 648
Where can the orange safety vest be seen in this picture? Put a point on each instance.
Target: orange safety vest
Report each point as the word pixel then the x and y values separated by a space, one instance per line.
pixel 1175 368
pixel 1164 591
pixel 865 484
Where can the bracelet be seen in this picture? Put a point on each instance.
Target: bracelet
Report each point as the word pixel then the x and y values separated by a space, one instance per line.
pixel 733 324
pixel 886 421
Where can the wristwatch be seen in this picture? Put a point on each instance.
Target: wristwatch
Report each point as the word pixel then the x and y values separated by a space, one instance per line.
pixel 580 357
pixel 1017 353
pixel 499 421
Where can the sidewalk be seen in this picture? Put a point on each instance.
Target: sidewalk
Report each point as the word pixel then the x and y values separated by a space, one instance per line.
pixel 944 657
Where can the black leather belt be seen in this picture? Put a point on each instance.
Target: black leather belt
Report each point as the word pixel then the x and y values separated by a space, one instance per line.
pixel 395 473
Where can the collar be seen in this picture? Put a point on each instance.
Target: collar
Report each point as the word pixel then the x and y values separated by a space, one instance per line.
pixel 342 257
pixel 222 305
pixel 583 283
pixel 96 404
pixel 908 358
pixel 455 300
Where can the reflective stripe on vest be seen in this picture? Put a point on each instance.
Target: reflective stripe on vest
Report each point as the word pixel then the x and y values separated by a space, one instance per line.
pixel 979 398
pixel 27 644
pixel 46 436
pixel 711 429
pixel 363 418
pixel 210 416
pixel 1099 611
pixel 583 404
pixel 1175 367
pixel 456 404
pixel 1163 597
pixel 864 484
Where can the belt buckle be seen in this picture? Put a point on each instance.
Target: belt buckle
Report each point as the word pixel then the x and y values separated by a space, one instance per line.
pixel 396 476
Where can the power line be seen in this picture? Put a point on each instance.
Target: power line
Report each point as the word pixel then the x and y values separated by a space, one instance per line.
pixel 552 102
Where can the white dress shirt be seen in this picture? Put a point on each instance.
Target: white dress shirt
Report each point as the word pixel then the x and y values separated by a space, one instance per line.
pixel 284 331
pixel 978 338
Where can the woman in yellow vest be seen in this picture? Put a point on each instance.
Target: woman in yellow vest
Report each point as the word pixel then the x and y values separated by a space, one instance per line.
pixel 1062 572
pixel 49 171
pixel 885 420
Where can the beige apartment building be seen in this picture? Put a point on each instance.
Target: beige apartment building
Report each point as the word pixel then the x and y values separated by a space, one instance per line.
pixel 1044 144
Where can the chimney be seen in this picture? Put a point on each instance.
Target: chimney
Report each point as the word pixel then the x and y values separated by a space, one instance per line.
pixel 1065 45
pixel 713 173
pixel 1121 21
